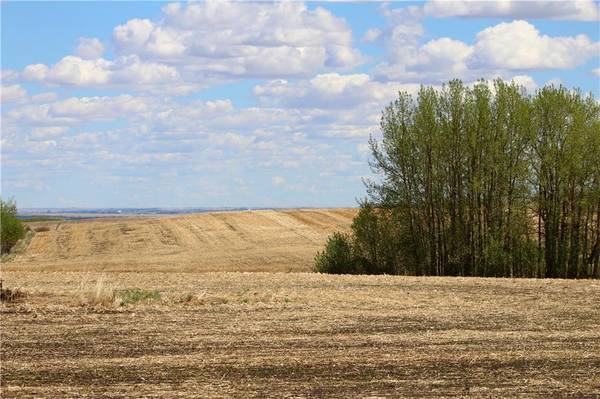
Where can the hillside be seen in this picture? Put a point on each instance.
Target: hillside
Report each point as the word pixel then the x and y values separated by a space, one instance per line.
pixel 266 240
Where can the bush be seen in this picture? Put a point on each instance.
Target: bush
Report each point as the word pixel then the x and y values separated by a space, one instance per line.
pixel 135 295
pixel 12 229
pixel 339 256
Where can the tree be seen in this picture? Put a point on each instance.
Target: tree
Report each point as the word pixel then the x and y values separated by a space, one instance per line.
pixel 11 228
pixel 484 181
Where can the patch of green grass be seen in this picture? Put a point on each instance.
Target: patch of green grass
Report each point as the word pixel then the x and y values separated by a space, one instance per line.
pixel 135 295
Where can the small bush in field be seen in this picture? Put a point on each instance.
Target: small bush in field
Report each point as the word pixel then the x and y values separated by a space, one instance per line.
pixel 338 256
pixel 135 295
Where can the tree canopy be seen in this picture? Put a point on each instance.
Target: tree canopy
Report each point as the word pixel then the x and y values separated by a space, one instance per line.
pixel 485 181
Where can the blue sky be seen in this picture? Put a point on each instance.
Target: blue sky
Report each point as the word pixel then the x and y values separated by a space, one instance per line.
pixel 213 104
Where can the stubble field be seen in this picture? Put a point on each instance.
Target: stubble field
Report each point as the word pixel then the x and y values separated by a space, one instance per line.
pixel 224 326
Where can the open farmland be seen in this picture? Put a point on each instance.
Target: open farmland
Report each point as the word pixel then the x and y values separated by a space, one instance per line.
pixel 275 241
pixel 217 331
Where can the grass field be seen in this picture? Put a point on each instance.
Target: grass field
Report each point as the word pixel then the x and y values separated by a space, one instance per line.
pixel 243 332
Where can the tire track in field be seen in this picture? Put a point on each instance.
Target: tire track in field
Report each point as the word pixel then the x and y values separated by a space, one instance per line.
pixel 294 226
pixel 338 217
pixel 237 235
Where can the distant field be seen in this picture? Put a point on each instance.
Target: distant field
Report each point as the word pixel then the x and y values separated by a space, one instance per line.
pixel 268 240
pixel 236 334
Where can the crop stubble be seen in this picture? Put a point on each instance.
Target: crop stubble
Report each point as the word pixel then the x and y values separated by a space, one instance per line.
pixel 281 334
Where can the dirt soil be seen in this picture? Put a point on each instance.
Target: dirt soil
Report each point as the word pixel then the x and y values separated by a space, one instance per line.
pixel 257 335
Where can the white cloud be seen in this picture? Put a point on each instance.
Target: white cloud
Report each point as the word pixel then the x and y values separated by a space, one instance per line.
pixel 9 76
pixel 12 93
pixel 497 51
pixel 236 34
pixel 199 44
pixel 596 72
pixel 127 71
pixel 44 97
pixel 371 35
pixel 232 140
pixel 71 70
pixel 581 10
pixel 75 110
pixel 519 45
pixel 526 81
pixel 43 133
pixel 331 90
pixel 89 48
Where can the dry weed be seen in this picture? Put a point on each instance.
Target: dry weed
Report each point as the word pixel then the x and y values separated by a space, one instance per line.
pixel 101 293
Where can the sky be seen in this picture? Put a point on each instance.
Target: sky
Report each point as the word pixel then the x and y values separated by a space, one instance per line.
pixel 240 104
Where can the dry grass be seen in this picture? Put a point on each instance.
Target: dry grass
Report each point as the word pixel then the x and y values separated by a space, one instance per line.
pixel 101 292
pixel 259 335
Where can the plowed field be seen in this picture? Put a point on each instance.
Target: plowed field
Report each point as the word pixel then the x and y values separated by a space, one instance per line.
pixel 211 329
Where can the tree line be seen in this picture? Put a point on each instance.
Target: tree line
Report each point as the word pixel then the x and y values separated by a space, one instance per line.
pixel 485 180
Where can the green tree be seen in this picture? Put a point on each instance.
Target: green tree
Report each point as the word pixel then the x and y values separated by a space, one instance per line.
pixel 11 228
pixel 484 181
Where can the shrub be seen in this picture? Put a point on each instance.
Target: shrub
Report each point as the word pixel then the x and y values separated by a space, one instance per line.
pixel 338 257
pixel 12 229
pixel 135 295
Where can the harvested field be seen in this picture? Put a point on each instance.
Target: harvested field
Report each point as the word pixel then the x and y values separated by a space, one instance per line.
pixel 234 334
pixel 280 241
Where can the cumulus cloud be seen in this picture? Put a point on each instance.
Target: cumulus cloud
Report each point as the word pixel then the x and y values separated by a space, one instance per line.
pixel 89 48
pixel 247 39
pixel 199 44
pixel 498 50
pixel 519 45
pixel 596 72
pixel 580 10
pixel 127 71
